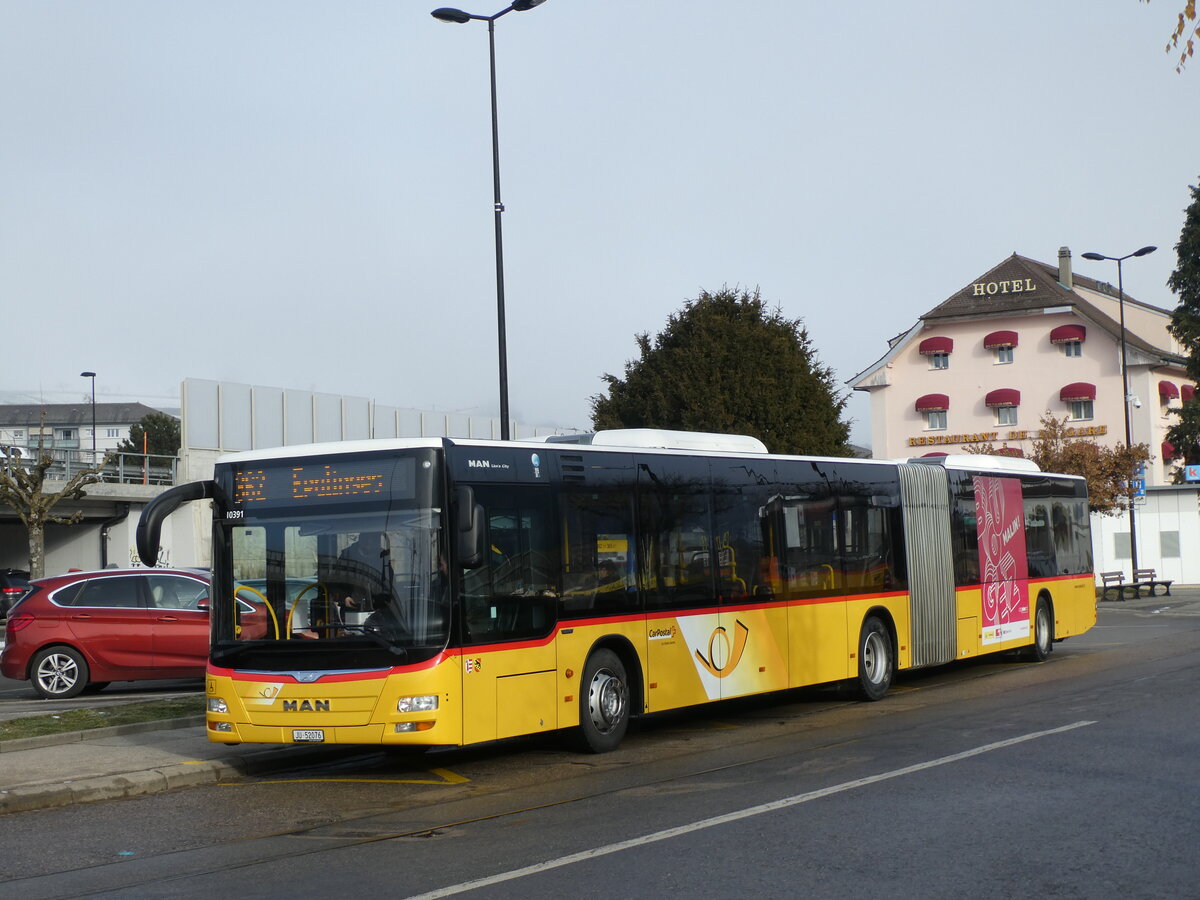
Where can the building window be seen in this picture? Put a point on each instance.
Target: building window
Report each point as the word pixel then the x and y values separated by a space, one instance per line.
pixel 112 432
pixel 1004 355
pixel 935 420
pixel 18 434
pixel 1006 415
pixel 1121 545
pixel 1169 544
pixel 1081 409
pixel 939 360
pixel 1072 348
pixel 66 434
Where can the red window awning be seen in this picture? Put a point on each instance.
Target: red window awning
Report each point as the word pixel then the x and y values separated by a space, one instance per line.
pixel 1080 390
pixel 1065 333
pixel 1187 392
pixel 933 403
pixel 1167 390
pixel 1000 339
pixel 935 453
pixel 936 345
pixel 1009 451
pixel 1168 451
pixel 1003 397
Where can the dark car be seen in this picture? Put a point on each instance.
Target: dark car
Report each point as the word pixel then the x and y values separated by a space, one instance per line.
pixel 13 583
pixel 86 629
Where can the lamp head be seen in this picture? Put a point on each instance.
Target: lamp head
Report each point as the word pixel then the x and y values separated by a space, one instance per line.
pixel 87 374
pixel 525 5
pixel 1145 250
pixel 449 14
pixel 1094 256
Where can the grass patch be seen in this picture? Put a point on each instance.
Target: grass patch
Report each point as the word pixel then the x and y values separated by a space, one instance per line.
pixel 86 719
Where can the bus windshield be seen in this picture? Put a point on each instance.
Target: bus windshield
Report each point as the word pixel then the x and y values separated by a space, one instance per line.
pixel 348 579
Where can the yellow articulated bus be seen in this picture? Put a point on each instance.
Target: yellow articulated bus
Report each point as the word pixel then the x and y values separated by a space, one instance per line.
pixel 447 592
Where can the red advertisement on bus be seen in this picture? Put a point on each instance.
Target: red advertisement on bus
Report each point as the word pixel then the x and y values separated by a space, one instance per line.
pixel 1003 566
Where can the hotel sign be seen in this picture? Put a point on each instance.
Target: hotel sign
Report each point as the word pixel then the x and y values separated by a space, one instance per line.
pixel 986 437
pixel 990 288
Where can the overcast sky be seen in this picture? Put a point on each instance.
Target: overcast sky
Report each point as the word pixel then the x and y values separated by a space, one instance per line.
pixel 299 194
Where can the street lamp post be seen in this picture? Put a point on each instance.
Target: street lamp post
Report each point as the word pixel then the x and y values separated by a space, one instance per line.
pixel 1133 552
pixel 92 375
pixel 458 17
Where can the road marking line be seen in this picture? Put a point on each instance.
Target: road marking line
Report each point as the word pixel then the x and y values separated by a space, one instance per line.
pixel 725 819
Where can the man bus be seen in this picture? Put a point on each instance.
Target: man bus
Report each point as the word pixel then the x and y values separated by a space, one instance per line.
pixel 516 588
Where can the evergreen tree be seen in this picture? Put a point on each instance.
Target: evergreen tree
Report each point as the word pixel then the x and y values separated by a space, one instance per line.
pixel 157 432
pixel 726 363
pixel 1185 326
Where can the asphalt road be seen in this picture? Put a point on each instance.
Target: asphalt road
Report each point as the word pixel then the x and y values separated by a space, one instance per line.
pixel 1072 778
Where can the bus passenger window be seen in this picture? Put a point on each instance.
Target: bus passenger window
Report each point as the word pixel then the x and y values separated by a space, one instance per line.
pixel 514 593
pixel 676 550
pixel 743 563
pixel 1039 541
pixel 808 553
pixel 598 562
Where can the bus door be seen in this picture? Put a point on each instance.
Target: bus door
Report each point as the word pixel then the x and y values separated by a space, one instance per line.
pixel 597 555
pixel 676 575
pixel 747 652
pixel 509 610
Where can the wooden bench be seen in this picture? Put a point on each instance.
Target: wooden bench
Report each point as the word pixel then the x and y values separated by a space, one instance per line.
pixel 1113 581
pixel 1147 578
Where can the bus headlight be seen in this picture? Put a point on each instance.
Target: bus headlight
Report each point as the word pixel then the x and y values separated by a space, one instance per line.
pixel 428 703
pixel 217 705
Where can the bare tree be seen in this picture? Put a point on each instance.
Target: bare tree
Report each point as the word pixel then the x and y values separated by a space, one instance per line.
pixel 23 488
pixel 1186 30
pixel 1108 470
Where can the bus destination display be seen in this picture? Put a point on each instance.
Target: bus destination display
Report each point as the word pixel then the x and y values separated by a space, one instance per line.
pixel 318 482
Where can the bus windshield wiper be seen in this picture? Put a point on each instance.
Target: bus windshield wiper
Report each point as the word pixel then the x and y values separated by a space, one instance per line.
pixel 379 638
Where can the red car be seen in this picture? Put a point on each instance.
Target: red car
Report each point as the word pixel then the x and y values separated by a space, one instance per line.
pixel 82 630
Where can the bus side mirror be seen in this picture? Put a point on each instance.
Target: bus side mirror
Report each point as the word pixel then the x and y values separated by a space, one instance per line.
pixel 149 527
pixel 468 530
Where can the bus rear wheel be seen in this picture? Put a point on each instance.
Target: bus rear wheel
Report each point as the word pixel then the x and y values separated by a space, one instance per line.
pixel 603 703
pixel 1043 633
pixel 876 663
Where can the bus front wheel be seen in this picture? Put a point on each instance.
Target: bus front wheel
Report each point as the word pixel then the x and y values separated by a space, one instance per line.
pixel 603 703
pixel 876 663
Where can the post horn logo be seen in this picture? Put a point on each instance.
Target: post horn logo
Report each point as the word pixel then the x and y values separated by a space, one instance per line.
pixel 719 650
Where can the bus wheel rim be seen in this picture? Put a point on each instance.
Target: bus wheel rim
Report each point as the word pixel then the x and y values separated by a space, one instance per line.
pixel 606 701
pixel 874 657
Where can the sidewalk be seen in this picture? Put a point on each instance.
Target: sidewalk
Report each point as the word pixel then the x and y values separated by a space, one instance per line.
pixel 148 758
pixel 1184 600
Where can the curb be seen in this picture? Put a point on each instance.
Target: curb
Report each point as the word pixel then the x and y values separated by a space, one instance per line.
pixel 114 787
pixel 92 734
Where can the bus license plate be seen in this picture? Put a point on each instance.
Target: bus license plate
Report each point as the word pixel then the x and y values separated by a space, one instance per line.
pixel 311 735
